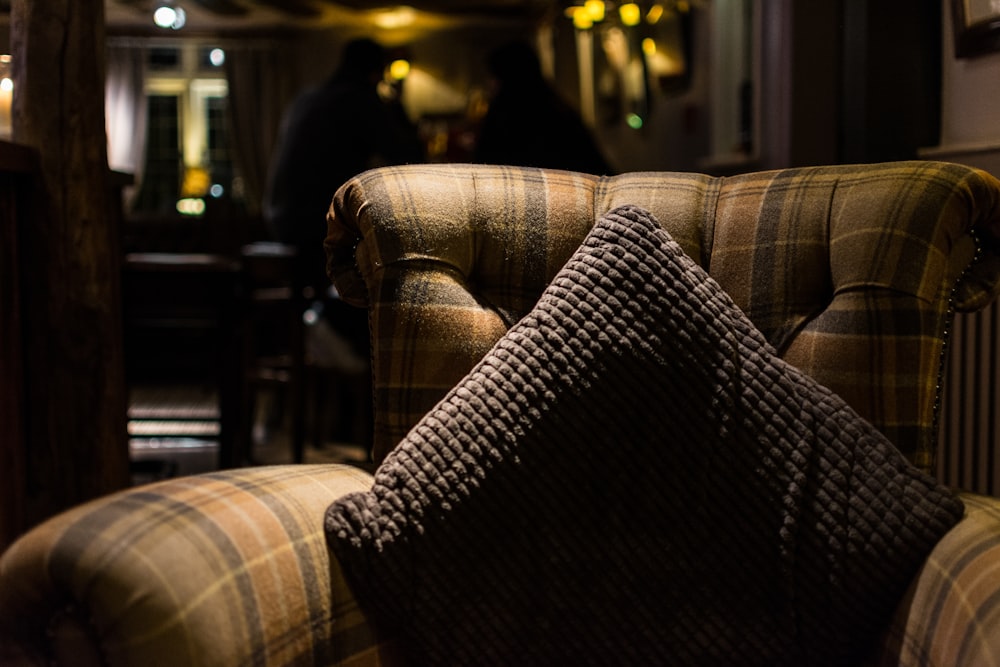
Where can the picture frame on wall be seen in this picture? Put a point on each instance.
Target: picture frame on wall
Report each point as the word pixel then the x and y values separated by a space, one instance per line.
pixel 976 27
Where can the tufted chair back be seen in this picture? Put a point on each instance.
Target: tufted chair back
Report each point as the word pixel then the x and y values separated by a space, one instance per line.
pixel 851 272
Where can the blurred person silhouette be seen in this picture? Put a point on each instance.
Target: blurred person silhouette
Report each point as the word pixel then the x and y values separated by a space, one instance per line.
pixel 528 123
pixel 330 133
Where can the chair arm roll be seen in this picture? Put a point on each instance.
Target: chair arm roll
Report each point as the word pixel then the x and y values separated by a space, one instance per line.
pixel 225 568
pixel 951 613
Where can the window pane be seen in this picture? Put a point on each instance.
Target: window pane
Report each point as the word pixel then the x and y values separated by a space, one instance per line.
pixel 162 175
pixel 164 58
pixel 218 145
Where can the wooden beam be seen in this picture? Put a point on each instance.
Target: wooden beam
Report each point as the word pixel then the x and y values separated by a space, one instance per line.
pixel 18 169
pixel 77 447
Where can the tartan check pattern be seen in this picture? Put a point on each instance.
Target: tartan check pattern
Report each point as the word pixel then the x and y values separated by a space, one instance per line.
pixel 849 271
pixel 228 568
pixel 951 613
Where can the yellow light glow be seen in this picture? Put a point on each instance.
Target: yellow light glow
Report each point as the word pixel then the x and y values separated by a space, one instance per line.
pixel 649 46
pixel 595 8
pixel 6 96
pixel 654 14
pixel 196 182
pixel 399 69
pixel 630 14
pixel 399 17
pixel 191 206
pixel 683 6
pixel 582 19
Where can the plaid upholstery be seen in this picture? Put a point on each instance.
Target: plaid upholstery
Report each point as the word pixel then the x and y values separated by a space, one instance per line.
pixel 848 270
pixel 951 614
pixel 232 569
pixel 222 569
pixel 851 272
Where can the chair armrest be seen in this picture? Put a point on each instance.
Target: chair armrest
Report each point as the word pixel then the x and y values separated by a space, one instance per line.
pixel 951 614
pixel 227 568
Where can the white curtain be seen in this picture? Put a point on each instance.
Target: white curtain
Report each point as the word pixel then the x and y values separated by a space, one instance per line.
pixel 260 86
pixel 125 110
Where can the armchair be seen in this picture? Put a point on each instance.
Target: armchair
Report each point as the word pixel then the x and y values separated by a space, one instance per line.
pixel 850 272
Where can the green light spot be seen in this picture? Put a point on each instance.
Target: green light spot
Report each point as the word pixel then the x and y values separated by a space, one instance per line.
pixel 634 121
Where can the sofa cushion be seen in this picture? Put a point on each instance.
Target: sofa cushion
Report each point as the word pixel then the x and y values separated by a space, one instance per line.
pixel 631 475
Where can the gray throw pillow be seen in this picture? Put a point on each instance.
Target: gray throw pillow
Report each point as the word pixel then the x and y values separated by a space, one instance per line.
pixel 632 476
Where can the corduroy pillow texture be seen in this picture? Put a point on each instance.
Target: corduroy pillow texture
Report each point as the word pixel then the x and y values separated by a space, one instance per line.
pixel 631 476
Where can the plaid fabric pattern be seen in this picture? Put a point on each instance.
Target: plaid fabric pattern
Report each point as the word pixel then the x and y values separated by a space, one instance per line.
pixel 951 614
pixel 232 568
pixel 222 569
pixel 848 270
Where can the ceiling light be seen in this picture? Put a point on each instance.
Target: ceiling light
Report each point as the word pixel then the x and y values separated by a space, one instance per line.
pixel 217 57
pixel 582 19
pixel 630 13
pixel 166 16
pixel 596 10
pixel 399 17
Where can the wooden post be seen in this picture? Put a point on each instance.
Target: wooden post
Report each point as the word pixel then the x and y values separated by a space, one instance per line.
pixel 77 447
pixel 18 169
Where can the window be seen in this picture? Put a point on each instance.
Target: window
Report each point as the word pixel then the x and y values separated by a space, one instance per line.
pixel 162 176
pixel 187 149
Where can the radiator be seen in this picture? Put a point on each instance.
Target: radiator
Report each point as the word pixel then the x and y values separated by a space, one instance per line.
pixel 970 409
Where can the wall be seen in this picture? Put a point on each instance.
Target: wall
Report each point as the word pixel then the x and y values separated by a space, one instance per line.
pixel 676 134
pixel 970 134
pixel 970 105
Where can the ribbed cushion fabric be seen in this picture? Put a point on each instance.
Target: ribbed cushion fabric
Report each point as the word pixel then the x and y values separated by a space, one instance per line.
pixel 632 476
